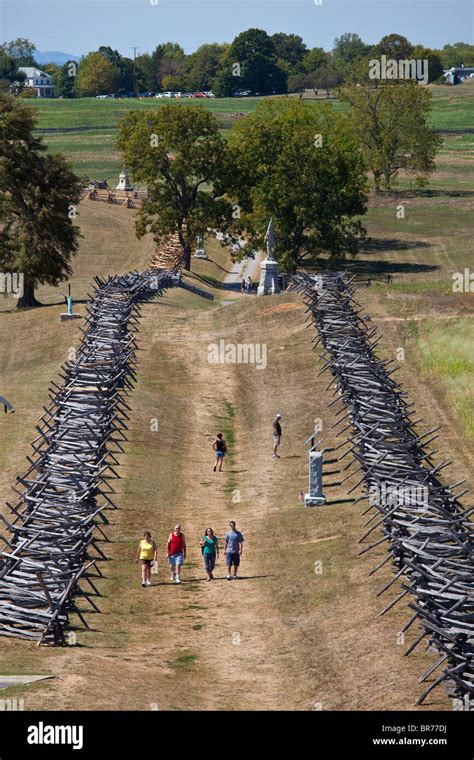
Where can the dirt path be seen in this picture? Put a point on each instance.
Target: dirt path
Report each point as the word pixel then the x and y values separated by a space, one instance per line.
pixel 284 636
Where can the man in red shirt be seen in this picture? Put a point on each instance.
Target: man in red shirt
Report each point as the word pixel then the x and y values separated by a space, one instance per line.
pixel 176 552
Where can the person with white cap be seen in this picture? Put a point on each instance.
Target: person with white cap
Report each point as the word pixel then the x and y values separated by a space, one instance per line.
pixel 276 435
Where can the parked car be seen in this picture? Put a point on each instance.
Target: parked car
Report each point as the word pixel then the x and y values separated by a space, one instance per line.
pixel 101 97
pixel 187 95
pixel 209 94
pixel 200 95
pixel 242 94
pixel 146 95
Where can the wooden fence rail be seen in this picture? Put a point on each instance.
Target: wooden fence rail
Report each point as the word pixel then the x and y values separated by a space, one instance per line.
pixel 422 521
pixel 51 551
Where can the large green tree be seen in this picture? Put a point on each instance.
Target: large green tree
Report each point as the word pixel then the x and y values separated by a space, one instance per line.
pixel 38 197
pixel 10 75
pixel 435 64
pixel 124 68
pixel 251 64
pixel 204 65
pixel 179 154
pixel 391 125
pixel 290 49
pixel 459 54
pixel 171 62
pixel 22 50
pixel 313 59
pixel 96 75
pixel 66 82
pixel 299 164
pixel 394 46
pixel 348 48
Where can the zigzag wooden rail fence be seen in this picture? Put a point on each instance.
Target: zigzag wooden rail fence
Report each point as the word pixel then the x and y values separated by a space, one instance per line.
pixel 427 530
pixel 51 536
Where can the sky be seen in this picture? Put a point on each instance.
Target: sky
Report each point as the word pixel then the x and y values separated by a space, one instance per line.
pixel 79 26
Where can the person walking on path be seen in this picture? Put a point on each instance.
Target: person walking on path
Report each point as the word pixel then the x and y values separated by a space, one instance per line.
pixel 220 447
pixel 147 553
pixel 276 435
pixel 249 284
pixel 176 552
pixel 210 552
pixel 233 550
pixel 243 285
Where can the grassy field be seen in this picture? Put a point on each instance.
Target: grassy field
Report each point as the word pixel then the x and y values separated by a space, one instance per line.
pixel 453 108
pixel 94 152
pixel 285 636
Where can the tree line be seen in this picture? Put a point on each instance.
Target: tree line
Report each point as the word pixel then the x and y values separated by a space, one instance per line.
pixel 254 62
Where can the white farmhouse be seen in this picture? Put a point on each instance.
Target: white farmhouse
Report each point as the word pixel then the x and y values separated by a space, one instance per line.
pixel 39 80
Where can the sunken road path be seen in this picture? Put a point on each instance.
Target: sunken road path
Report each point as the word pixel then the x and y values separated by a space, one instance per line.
pixel 283 637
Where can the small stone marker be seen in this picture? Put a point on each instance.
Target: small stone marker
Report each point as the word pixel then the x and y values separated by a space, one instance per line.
pixel 200 250
pixel 269 267
pixel 70 315
pixel 315 497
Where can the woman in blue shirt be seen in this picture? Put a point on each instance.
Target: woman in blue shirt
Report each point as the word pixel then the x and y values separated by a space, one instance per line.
pixel 210 551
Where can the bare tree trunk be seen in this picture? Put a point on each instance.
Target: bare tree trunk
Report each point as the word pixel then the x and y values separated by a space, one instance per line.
pixel 187 257
pixel 27 300
pixel 377 180
pixel 183 239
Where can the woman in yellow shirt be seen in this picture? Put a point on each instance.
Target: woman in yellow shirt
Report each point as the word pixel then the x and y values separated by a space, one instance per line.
pixel 147 553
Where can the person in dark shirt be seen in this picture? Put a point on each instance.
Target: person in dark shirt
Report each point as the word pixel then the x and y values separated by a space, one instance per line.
pixel 220 447
pixel 276 435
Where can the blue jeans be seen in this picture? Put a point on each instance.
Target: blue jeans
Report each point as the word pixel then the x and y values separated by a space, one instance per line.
pixel 209 561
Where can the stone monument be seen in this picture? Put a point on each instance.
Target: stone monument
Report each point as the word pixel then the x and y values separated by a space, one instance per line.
pixel 315 497
pixel 124 182
pixel 200 250
pixel 70 314
pixel 269 267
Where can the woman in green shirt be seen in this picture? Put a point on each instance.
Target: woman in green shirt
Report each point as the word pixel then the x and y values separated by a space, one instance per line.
pixel 210 551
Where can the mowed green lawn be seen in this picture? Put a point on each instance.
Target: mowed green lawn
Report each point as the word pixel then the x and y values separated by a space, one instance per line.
pixel 93 112
pixel 94 152
pixel 453 108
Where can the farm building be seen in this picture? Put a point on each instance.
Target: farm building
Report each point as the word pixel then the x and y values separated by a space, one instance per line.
pixel 39 80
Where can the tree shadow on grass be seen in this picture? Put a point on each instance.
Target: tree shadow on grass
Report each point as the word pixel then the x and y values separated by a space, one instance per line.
pixel 373 245
pixel 223 269
pixel 379 245
pixel 432 193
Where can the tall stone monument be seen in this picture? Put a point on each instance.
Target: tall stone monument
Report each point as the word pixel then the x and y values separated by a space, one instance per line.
pixel 315 496
pixel 124 182
pixel 200 250
pixel 269 267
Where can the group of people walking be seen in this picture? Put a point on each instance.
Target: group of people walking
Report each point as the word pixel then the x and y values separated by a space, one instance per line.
pixel 246 285
pixel 147 553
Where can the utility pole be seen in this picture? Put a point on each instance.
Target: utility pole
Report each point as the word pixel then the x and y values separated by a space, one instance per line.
pixel 135 71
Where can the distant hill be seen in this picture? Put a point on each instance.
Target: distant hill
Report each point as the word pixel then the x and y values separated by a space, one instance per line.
pixel 54 56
